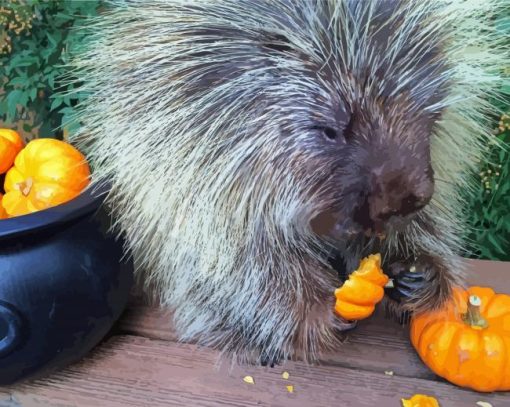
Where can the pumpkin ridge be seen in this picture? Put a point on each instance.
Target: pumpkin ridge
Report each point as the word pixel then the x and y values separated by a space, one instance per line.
pixel 424 354
pixel 506 379
pixel 504 364
pixel 425 328
pixel 434 330
pixel 455 340
pixel 488 305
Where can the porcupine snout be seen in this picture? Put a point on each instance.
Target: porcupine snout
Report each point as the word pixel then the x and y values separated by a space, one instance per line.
pixel 394 192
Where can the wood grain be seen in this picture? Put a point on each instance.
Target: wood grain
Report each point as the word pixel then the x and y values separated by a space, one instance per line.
pixel 377 344
pixel 134 371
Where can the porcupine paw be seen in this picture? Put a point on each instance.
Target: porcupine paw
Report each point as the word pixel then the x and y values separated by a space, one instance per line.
pixel 411 280
pixel 408 281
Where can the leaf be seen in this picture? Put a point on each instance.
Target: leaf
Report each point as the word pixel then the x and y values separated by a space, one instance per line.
pixel 27 127
pixel 52 40
pixel 46 130
pixel 57 102
pixel 33 94
pixel 23 99
pixel 13 98
pixel 19 80
pixel 51 80
pixel 68 120
pixel 495 243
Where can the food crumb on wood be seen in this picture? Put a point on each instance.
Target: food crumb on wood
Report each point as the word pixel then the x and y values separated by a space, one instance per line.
pixel 249 379
pixel 483 404
pixel 285 375
pixel 290 389
pixel 388 372
pixel 420 400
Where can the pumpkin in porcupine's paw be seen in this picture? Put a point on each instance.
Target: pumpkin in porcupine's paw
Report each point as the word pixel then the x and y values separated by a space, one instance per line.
pixel 357 297
pixel 468 341
pixel 46 173
pixel 10 145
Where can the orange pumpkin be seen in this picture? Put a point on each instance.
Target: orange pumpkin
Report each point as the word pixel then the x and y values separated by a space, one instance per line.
pixel 46 173
pixel 420 400
pixel 3 214
pixel 357 297
pixel 468 341
pixel 10 145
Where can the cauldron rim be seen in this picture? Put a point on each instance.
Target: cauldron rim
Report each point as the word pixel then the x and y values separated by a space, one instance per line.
pixel 88 201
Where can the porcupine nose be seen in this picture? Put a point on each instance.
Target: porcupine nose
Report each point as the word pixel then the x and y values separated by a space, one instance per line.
pixel 393 194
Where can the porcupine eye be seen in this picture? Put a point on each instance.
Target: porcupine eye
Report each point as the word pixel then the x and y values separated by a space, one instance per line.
pixel 330 133
pixel 333 134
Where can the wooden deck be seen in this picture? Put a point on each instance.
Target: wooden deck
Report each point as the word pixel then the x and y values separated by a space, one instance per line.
pixel 141 364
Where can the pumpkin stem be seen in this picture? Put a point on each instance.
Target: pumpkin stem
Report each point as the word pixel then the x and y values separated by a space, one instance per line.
pixel 473 316
pixel 26 186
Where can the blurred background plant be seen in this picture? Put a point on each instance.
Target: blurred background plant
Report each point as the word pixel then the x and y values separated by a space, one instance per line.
pixel 489 208
pixel 36 41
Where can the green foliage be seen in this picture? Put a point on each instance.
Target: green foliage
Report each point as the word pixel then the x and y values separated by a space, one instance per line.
pixel 489 208
pixel 35 44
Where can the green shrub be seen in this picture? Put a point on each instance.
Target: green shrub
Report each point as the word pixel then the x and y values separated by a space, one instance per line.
pixel 489 214
pixel 35 43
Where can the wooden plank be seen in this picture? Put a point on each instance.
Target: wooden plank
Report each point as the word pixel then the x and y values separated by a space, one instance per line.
pixel 134 371
pixel 494 274
pixel 377 344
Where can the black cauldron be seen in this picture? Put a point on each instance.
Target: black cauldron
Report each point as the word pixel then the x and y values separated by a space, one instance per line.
pixel 64 281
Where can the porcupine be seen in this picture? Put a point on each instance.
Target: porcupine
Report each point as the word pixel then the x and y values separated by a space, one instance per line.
pixel 256 150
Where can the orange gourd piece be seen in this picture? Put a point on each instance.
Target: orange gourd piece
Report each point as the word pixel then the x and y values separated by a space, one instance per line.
pixel 46 173
pixel 357 297
pixel 10 145
pixel 420 400
pixel 467 341
pixel 3 214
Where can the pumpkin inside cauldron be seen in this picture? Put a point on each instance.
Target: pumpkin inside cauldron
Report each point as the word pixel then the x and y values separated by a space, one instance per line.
pixel 46 173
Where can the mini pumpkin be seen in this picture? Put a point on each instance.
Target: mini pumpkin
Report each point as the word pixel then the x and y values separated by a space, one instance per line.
pixel 468 341
pixel 357 297
pixel 10 145
pixel 3 214
pixel 46 173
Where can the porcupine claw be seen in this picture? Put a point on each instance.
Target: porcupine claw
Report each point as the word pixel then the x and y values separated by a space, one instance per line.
pixel 407 281
pixel 265 359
